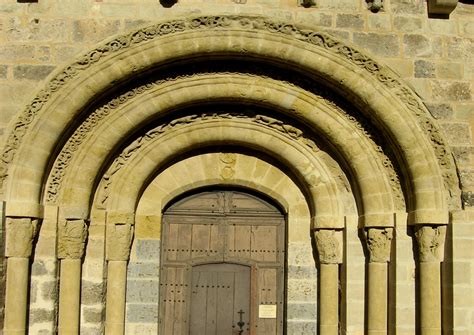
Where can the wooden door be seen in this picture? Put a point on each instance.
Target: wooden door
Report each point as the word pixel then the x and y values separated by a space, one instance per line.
pixel 232 246
pixel 220 299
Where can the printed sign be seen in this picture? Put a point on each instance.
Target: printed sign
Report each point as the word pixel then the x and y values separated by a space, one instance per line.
pixel 267 311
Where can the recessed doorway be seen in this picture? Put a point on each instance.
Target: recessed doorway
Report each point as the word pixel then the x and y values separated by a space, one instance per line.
pixel 222 265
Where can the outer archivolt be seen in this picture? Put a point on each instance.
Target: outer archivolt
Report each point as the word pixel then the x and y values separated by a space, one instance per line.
pixel 95 118
pixel 319 39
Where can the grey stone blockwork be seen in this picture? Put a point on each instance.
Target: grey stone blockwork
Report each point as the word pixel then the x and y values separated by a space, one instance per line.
pixel 143 282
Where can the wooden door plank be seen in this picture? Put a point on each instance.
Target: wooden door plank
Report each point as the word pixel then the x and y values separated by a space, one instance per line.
pixel 225 302
pixel 242 241
pixel 179 302
pixel 242 297
pixel 169 300
pixel 184 242
pixel 171 242
pixel 211 305
pixel 198 308
pixel 200 241
pixel 268 296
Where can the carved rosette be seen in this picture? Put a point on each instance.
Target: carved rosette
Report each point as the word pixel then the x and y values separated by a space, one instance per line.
pixel 379 242
pixel 119 241
pixel 430 240
pixel 72 235
pixel 20 233
pixel 328 243
pixel 228 161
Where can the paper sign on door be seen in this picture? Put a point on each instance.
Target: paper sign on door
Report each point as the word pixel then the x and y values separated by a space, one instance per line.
pixel 267 311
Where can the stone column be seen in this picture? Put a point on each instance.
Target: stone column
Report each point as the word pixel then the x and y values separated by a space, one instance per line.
pixel 20 233
pixel 119 241
pixel 72 236
pixel 329 245
pixel 379 244
pixel 430 240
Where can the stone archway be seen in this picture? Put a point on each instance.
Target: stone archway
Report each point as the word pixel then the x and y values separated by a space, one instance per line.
pixel 102 121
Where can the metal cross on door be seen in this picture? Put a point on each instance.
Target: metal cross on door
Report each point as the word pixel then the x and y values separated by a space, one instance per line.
pixel 220 297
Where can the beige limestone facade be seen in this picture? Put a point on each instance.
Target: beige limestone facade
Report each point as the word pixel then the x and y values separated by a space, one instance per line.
pixel 355 118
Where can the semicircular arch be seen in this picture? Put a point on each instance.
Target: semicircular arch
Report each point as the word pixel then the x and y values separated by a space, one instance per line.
pixel 374 88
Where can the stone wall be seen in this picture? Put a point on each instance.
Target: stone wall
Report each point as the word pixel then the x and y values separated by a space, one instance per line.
pixel 434 56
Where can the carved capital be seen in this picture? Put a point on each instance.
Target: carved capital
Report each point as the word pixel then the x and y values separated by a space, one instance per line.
pixel 72 235
pixel 379 241
pixel 119 241
pixel 328 243
pixel 20 233
pixel 430 240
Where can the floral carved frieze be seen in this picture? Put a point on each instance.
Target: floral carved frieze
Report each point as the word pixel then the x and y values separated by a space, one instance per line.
pixel 379 242
pixel 72 235
pixel 99 117
pixel 329 245
pixel 430 240
pixel 20 234
pixel 132 149
pixel 231 23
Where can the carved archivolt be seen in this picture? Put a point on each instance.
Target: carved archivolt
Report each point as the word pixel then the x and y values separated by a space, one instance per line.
pixel 430 240
pixel 227 23
pixel 72 235
pixel 131 150
pixel 379 242
pixel 20 233
pixel 67 154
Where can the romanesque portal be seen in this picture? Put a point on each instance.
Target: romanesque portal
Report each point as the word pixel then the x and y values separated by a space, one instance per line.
pixel 344 152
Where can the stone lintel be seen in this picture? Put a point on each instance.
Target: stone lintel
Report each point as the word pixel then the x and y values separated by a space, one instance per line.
pixel 377 220
pixel 23 209
pixel 434 216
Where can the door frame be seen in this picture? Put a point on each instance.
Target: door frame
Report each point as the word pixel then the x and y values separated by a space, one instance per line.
pixel 254 265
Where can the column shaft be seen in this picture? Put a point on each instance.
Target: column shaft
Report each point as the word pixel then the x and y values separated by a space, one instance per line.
pixel 430 296
pixel 115 304
pixel 329 299
pixel 16 296
pixel 377 299
pixel 69 297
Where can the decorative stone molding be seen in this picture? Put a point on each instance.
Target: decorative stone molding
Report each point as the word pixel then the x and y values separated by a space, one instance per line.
pixel 228 23
pixel 119 241
pixel 329 245
pixel 379 242
pixel 441 7
pixel 131 150
pixel 325 96
pixel 227 166
pixel 430 240
pixel 72 235
pixel 20 234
